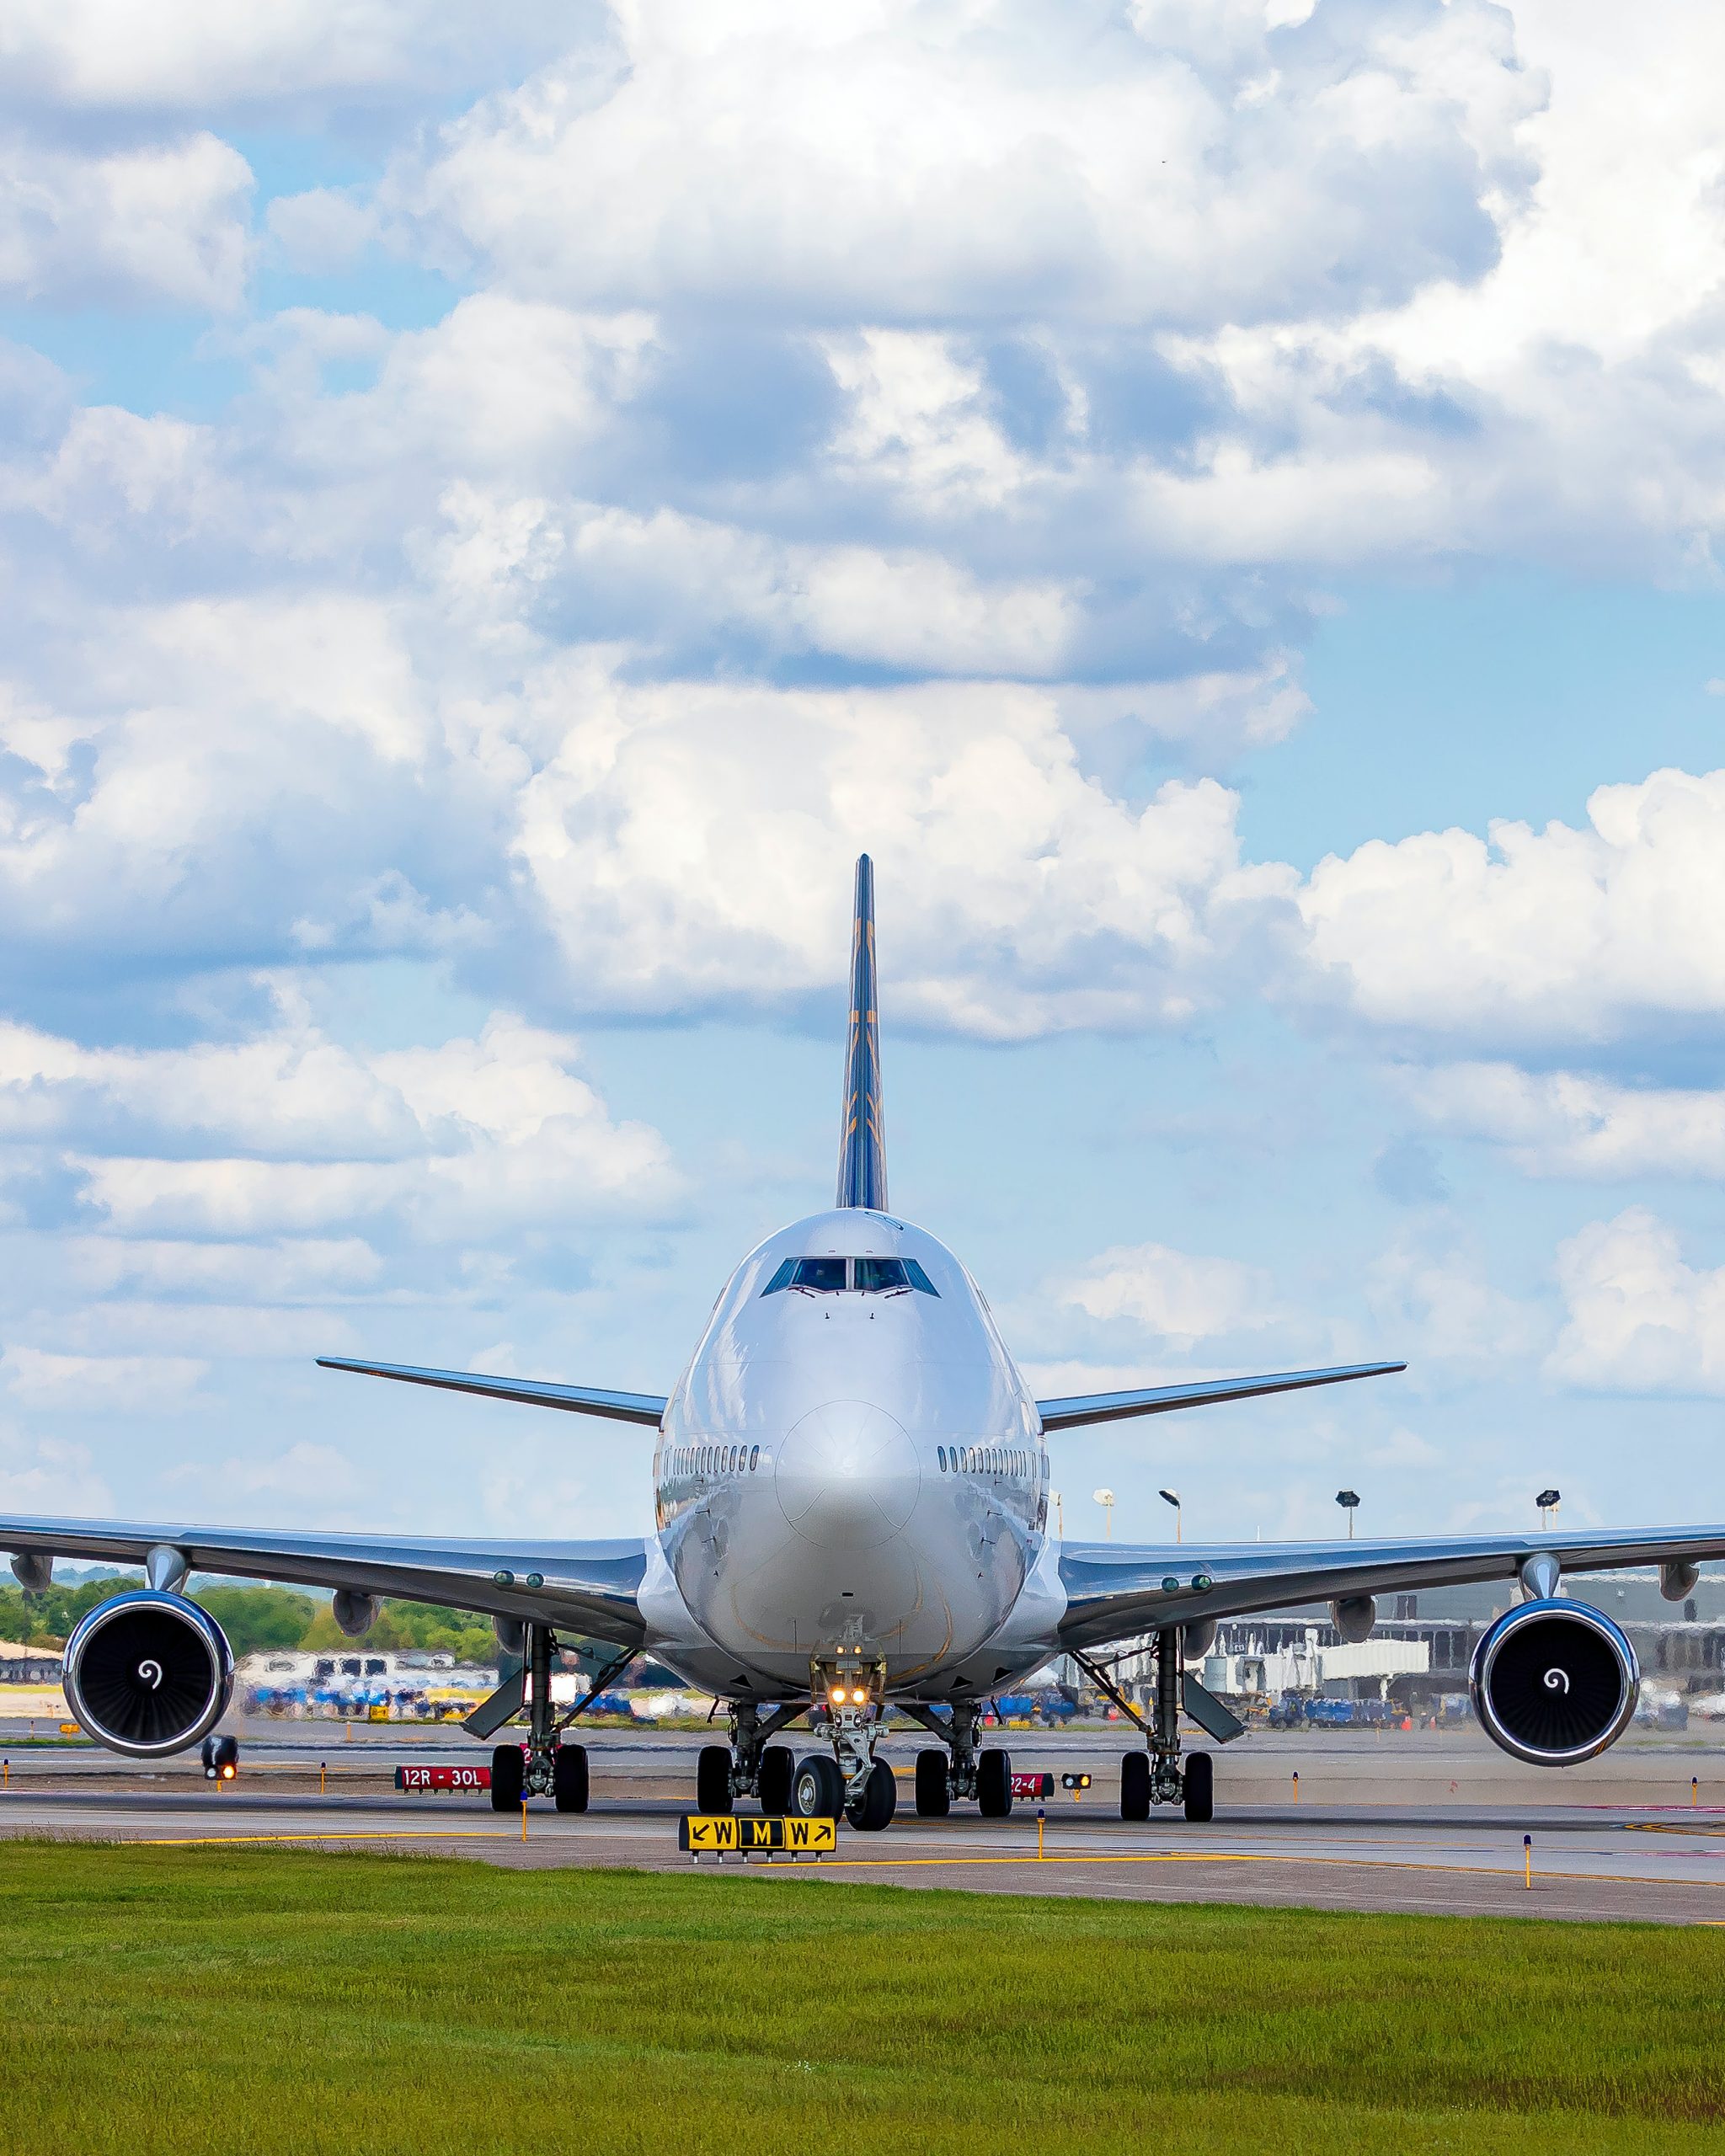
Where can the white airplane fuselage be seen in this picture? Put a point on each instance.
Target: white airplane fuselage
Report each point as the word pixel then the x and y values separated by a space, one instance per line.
pixel 852 1469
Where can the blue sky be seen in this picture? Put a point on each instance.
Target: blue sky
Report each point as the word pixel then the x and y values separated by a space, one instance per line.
pixel 1221 502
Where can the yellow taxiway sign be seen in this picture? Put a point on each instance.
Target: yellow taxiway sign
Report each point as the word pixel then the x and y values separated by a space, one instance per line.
pixel 712 1835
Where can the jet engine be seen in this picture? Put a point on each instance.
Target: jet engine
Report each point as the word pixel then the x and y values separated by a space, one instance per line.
pixel 1554 1683
pixel 148 1673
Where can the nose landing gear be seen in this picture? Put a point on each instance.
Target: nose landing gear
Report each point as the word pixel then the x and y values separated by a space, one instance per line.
pixel 817 1788
pixel 872 1808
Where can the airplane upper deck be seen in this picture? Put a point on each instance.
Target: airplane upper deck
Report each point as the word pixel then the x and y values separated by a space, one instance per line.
pixel 881 1306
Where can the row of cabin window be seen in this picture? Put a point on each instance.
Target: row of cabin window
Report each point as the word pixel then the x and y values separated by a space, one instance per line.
pixel 982 1459
pixel 716 1459
pixel 863 1276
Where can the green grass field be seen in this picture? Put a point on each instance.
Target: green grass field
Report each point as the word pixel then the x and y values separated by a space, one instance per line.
pixel 265 2001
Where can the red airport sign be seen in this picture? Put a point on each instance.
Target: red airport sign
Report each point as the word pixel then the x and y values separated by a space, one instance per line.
pixel 443 1778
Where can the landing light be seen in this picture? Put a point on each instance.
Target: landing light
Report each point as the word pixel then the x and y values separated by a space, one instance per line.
pixel 858 1699
pixel 838 1695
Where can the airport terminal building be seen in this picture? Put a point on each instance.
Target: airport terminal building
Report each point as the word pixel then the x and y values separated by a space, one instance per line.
pixel 1422 1645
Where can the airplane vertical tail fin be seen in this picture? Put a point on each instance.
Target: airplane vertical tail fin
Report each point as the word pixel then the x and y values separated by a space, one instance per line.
pixel 862 1135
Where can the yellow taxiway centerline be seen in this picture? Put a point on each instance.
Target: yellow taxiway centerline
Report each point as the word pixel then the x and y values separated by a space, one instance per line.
pixel 333 1834
pixel 919 1863
pixel 1242 1856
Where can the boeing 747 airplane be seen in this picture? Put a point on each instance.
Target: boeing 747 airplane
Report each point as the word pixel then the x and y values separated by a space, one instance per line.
pixel 852 1484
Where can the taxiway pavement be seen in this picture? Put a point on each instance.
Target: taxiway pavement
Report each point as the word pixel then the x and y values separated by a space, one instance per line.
pixel 1424 1825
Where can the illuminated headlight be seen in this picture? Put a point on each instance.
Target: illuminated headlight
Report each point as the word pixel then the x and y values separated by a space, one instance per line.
pixel 220 1758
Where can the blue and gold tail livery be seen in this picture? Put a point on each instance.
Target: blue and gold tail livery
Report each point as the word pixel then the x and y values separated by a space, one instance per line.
pixel 862 1135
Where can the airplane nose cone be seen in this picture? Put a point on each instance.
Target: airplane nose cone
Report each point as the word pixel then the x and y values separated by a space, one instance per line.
pixel 847 1476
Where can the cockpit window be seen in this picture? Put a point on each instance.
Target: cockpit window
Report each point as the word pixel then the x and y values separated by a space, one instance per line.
pixel 867 1276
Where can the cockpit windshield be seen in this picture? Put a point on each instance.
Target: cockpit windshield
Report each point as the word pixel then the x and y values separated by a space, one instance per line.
pixel 864 1276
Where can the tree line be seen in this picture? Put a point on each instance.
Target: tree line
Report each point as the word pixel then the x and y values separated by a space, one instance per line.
pixel 256 1619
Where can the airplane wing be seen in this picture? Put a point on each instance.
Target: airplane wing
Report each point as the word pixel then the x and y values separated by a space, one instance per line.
pixel 1161 1398
pixel 585 1587
pixel 576 1398
pixel 1117 1590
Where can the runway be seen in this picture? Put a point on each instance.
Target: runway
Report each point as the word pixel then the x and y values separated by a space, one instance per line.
pixel 1661 1862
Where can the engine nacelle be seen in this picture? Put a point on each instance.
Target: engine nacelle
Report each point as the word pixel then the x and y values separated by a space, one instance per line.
pixel 148 1673
pixel 355 1613
pixel 1554 1683
pixel 1354 1616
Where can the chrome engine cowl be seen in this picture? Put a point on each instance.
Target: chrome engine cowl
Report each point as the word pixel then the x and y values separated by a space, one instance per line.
pixel 148 1673
pixel 1554 1683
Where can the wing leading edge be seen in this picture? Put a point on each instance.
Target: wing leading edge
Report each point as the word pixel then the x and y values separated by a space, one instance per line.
pixel 647 1407
pixel 1117 1590
pixel 1162 1399
pixel 587 1587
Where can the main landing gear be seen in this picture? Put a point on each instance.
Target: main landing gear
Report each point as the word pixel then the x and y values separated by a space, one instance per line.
pixel 749 1765
pixel 1155 1775
pixel 545 1765
pixel 960 1770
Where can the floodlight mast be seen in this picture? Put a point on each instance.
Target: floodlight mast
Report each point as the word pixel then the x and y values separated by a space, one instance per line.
pixel 1173 1497
pixel 1349 1500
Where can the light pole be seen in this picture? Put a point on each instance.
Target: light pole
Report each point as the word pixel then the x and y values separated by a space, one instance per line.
pixel 1173 1497
pixel 1349 1500
pixel 1548 1501
pixel 1105 1499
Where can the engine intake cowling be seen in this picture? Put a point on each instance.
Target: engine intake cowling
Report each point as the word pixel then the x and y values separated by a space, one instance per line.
pixel 148 1673
pixel 1554 1683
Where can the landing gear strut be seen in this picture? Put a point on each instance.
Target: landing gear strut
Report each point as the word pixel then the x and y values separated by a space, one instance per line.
pixel 1155 1775
pixel 748 1766
pixel 545 1766
pixel 518 1771
pixel 962 1771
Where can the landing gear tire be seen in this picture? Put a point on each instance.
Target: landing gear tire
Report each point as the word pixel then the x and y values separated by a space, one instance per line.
pixel 934 1786
pixel 568 1778
pixel 509 1778
pixel 817 1788
pixel 1199 1789
pixel 713 1781
pixel 1134 1786
pixel 778 1770
pixel 994 1785
pixel 873 1810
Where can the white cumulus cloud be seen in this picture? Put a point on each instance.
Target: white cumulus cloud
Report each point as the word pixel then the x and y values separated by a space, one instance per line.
pixel 1179 1298
pixel 1527 935
pixel 1566 1122
pixel 1640 1318
pixel 166 221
